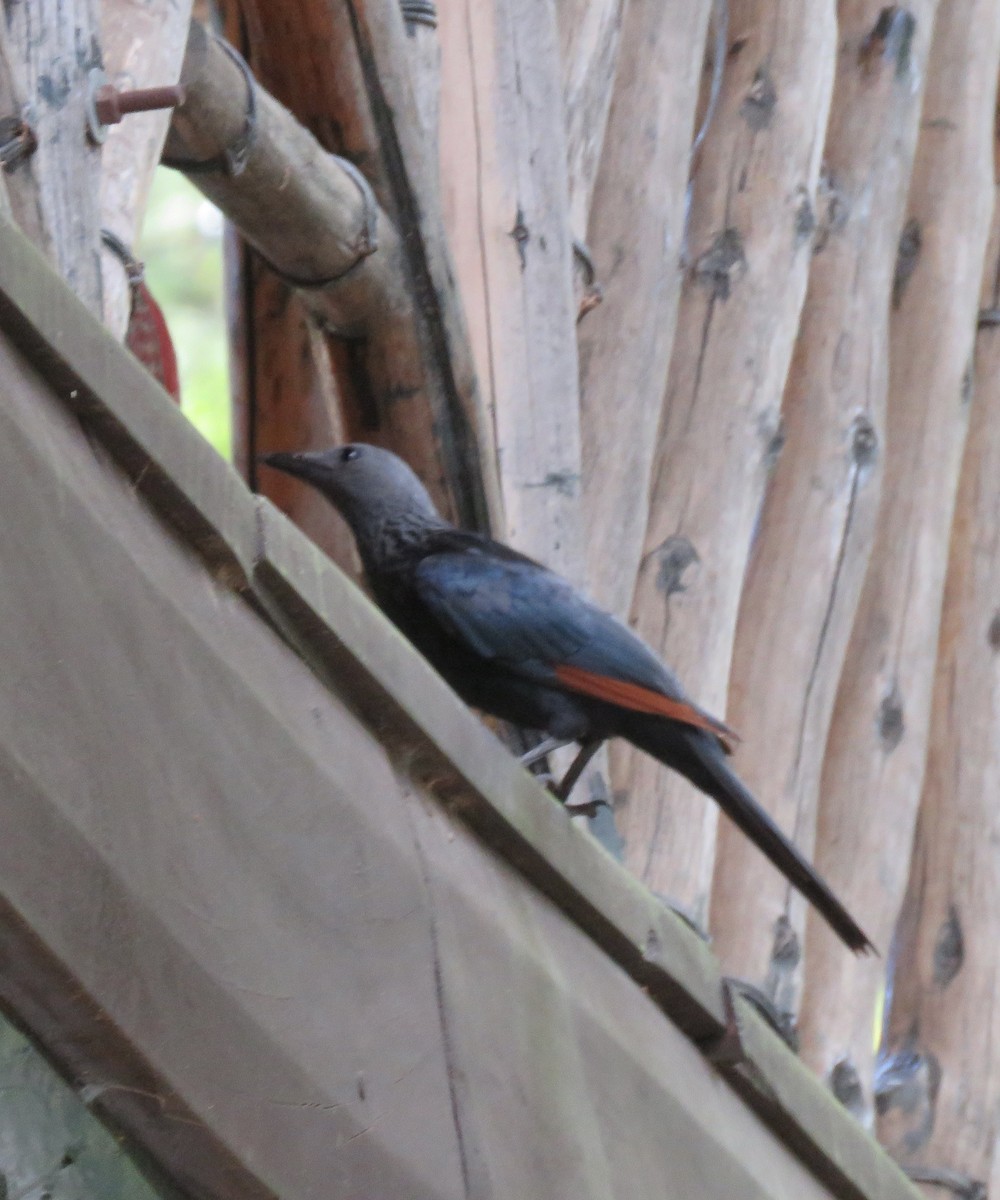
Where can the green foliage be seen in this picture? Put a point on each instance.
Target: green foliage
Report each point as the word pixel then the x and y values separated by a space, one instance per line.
pixel 182 250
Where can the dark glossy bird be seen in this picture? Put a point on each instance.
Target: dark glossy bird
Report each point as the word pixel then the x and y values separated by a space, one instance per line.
pixel 520 642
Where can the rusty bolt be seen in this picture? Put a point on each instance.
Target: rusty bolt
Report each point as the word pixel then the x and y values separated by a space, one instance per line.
pixel 106 105
pixel 111 104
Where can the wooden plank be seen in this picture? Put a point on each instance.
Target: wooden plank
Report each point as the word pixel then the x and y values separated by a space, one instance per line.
pixel 777 1085
pixel 817 525
pixel 636 237
pixel 173 863
pixel 938 1083
pixel 875 759
pixel 754 196
pixel 504 193
pixel 143 47
pixel 186 483
pixel 175 868
pixel 56 44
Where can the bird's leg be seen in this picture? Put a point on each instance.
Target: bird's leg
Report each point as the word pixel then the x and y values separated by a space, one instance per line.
pixel 579 764
pixel 543 748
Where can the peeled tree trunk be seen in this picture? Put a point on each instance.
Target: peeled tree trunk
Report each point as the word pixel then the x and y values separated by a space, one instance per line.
pixel 874 767
pixel 636 239
pixel 748 254
pixel 938 1080
pixel 816 529
pixel 504 194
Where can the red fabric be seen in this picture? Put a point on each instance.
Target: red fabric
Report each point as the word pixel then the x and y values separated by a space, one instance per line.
pixel 149 340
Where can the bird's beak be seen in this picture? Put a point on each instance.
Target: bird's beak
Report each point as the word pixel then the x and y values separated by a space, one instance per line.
pixel 302 466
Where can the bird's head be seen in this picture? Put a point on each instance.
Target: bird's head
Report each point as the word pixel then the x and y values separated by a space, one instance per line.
pixel 368 486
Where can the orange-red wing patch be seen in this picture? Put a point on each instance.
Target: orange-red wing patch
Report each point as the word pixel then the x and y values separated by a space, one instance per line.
pixel 640 699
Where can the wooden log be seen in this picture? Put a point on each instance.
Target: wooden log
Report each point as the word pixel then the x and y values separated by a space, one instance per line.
pixel 816 529
pixel 56 45
pixel 636 238
pixel 504 193
pixel 589 36
pixel 423 53
pixel 143 47
pixel 874 765
pixel 936 1083
pixel 315 220
pixel 749 244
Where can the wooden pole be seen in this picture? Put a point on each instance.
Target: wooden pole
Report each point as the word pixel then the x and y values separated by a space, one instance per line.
pixel 937 1093
pixel 816 529
pixel 504 192
pixel 589 37
pixel 875 759
pixel 636 238
pixel 55 45
pixel 749 242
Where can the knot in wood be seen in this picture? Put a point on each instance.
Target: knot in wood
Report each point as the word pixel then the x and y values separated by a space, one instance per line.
pixel 907 257
pixel 993 633
pixel 891 725
pixel 674 557
pixel 864 441
pixel 949 949
pixel 723 264
pixel 760 101
pixel 890 41
pixel 845 1083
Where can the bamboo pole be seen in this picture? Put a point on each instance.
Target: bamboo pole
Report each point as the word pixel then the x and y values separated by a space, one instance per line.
pixel 874 766
pixel 504 190
pixel 816 530
pixel 143 47
pixel 938 1097
pixel 636 238
pixel 55 45
pixel 314 219
pixel 749 241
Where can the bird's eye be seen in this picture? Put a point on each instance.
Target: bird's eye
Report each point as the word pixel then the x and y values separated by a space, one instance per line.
pixel 349 453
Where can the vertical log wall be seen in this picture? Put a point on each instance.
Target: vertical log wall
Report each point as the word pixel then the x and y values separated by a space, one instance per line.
pixel 769 447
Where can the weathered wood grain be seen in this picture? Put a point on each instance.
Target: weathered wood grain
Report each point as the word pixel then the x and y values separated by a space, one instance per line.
pixel 636 237
pixel 19 185
pixel 589 40
pixel 504 194
pixel 874 766
pixel 143 43
pixel 817 525
pixel 749 242
pixel 55 45
pixel 936 1080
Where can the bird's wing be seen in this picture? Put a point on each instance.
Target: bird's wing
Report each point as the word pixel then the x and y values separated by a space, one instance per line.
pixel 513 611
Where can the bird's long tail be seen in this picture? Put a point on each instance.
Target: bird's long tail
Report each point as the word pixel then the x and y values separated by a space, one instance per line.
pixel 699 757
